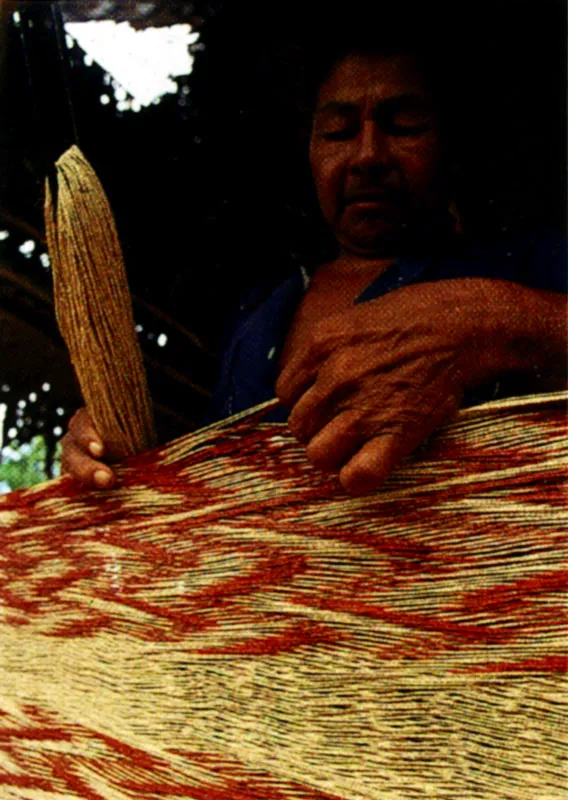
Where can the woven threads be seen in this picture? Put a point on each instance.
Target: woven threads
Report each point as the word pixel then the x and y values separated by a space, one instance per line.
pixel 228 624
pixel 94 310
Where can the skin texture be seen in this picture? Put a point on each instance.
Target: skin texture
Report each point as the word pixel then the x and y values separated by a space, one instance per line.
pixel 367 384
pixel 370 384
pixel 82 449
pixel 376 153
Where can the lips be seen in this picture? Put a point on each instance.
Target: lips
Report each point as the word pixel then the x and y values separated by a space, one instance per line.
pixel 372 196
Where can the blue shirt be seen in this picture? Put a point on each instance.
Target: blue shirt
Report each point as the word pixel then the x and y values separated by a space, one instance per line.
pixel 249 366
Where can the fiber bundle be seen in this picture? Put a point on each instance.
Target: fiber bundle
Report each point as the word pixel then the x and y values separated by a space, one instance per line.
pixel 94 308
pixel 227 624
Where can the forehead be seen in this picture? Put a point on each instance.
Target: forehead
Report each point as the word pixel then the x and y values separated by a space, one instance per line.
pixel 358 78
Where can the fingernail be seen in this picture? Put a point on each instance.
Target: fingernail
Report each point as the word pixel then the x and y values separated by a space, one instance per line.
pixel 95 449
pixel 102 478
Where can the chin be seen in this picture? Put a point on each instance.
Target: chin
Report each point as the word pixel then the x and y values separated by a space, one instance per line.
pixel 380 239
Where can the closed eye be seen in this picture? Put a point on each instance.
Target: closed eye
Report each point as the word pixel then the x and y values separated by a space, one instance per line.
pixel 388 127
pixel 406 115
pixel 406 129
pixel 340 135
pixel 404 118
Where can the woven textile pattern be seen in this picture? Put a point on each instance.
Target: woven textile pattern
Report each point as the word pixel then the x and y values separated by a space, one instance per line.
pixel 227 624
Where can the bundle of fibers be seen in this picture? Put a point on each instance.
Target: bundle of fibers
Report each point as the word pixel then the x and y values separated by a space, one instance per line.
pixel 94 309
pixel 228 624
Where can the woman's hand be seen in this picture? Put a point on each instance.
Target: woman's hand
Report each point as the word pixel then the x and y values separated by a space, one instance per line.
pixel 82 451
pixel 375 381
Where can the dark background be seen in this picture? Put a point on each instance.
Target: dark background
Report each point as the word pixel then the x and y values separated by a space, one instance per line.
pixel 211 189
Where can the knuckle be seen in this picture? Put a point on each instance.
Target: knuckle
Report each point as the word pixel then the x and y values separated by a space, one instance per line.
pixel 82 424
pixel 318 335
pixel 335 391
pixel 74 462
pixel 344 380
pixel 322 340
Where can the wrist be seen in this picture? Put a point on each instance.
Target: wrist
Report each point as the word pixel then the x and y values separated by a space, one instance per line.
pixel 518 331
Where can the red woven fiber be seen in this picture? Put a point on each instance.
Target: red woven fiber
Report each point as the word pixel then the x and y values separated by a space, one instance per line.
pixel 227 624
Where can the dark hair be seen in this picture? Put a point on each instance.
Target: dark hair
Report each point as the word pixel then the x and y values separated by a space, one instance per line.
pixel 497 72
pixel 404 30
pixel 391 32
pixel 324 40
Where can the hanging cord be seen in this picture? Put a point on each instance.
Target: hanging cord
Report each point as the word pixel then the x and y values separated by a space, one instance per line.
pixel 94 309
pixel 59 29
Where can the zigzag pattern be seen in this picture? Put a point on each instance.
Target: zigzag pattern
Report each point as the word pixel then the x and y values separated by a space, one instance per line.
pixel 227 624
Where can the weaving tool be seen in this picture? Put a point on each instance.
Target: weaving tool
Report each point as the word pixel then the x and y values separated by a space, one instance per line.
pixel 227 624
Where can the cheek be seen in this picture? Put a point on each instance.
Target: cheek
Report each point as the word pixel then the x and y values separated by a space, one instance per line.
pixel 326 172
pixel 420 163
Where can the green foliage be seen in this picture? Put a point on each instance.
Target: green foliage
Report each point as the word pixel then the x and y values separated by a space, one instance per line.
pixel 24 465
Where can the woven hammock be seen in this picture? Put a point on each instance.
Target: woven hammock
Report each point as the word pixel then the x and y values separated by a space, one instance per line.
pixel 227 624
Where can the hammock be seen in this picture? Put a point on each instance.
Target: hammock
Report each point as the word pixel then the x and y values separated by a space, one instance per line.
pixel 227 624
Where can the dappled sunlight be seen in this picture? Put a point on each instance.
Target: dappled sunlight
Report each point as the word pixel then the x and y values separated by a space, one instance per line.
pixel 142 62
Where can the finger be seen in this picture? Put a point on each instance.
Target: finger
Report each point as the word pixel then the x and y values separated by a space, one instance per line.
pixel 337 442
pixel 295 379
pixel 374 462
pixel 307 416
pixel 84 433
pixel 77 463
pixel 332 391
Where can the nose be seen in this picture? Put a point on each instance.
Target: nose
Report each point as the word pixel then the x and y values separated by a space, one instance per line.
pixel 372 150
